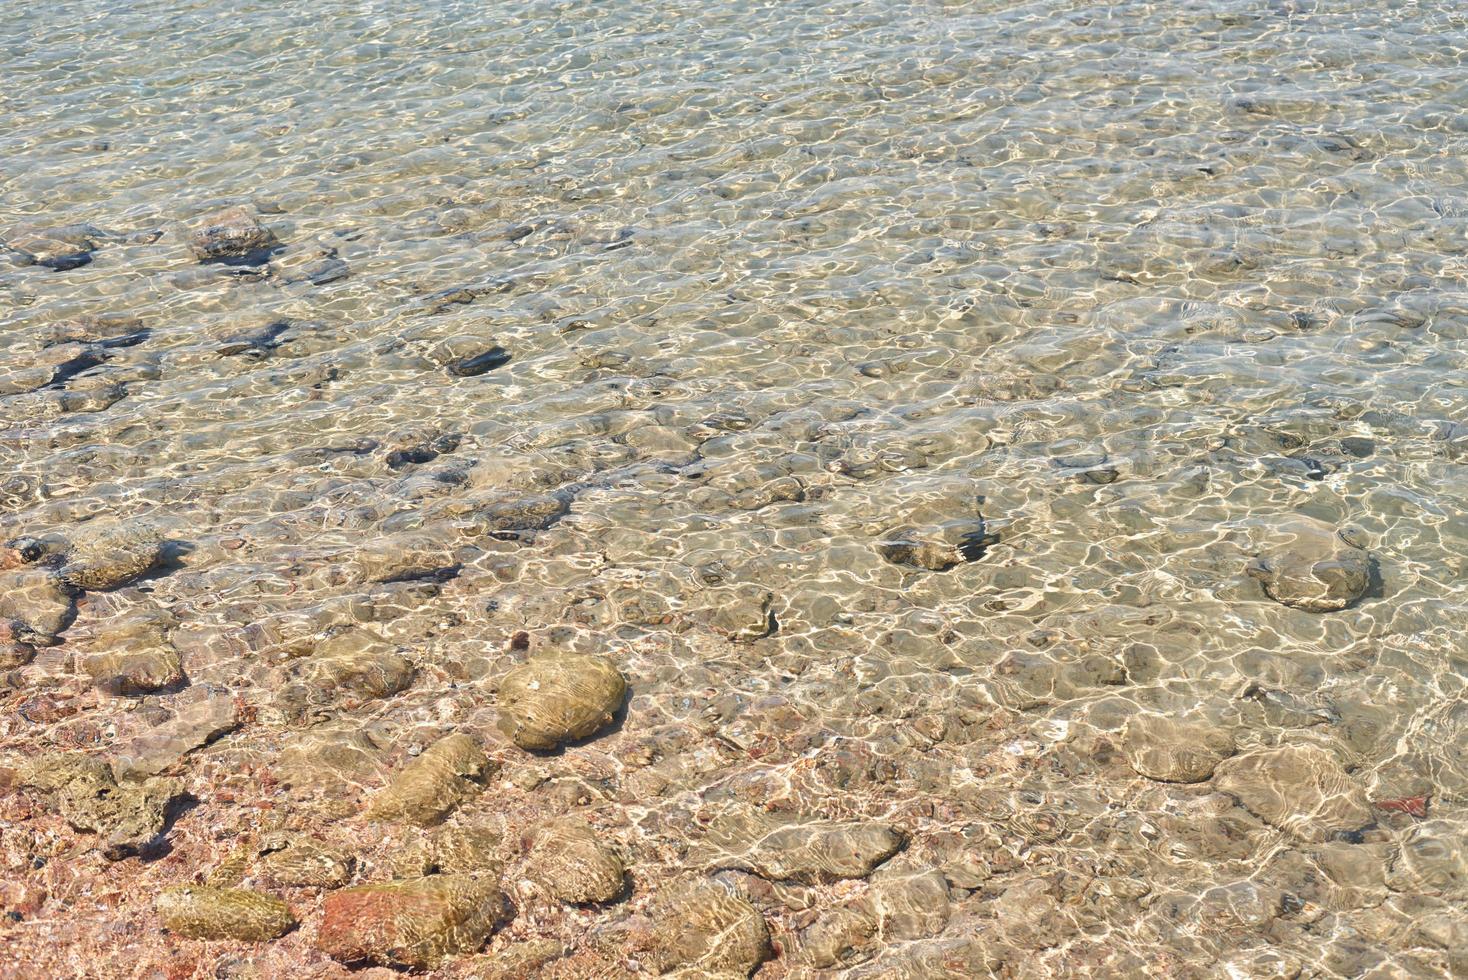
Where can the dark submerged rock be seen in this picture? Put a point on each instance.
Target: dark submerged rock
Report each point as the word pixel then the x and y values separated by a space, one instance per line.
pixel 232 236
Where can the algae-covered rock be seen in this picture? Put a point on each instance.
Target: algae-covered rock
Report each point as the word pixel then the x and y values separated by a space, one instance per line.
pixel 89 798
pixel 36 602
pixel 414 923
pixel 106 555
pixel 429 787
pixel 1298 788
pixel 231 235
pixel 704 929
pixel 572 864
pixel 1309 565
pixel 780 846
pixel 450 850
pixel 201 912
pixel 557 698
pixel 1174 751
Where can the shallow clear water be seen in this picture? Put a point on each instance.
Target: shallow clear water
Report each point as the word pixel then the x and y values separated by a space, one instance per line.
pixel 913 385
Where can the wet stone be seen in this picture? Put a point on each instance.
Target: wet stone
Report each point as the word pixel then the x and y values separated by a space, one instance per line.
pixel 60 249
pixel 1310 565
pixel 703 929
pixel 559 697
pixel 1174 751
pixel 531 512
pixel 784 847
pixel 201 912
pixel 15 650
pixel 935 549
pixel 427 789
pixel 87 795
pixel 413 923
pixel 330 761
pixel 1301 789
pixel 898 907
pixel 107 555
pixel 232 235
pixel 569 861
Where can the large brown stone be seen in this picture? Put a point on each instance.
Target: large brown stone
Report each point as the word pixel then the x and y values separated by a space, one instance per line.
pixel 780 846
pixel 1309 565
pixel 1174 751
pixel 432 785
pixel 558 698
pixel 569 861
pixel 413 923
pixel 106 555
pixel 703 929
pixel 231 234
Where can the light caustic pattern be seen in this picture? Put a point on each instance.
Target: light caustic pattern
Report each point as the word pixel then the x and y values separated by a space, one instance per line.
pixel 1014 453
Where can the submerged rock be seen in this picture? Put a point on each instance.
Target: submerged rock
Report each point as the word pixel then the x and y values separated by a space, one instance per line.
pixel 201 912
pixel 1310 565
pixel 203 713
pixel 63 248
pixel 1174 751
pixel 135 655
pixel 571 863
pixel 135 671
pixel 743 613
pixel 15 649
pixel 558 698
pixel 705 930
pixel 349 668
pixel 330 761
pixel 413 923
pixel 936 549
pixel 1301 789
pixel 89 798
pixel 782 847
pixel 231 235
pixel 295 860
pixel 105 556
pixel 36 603
pixel 450 850
pixel 897 907
pixel 1433 860
pixel 428 788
